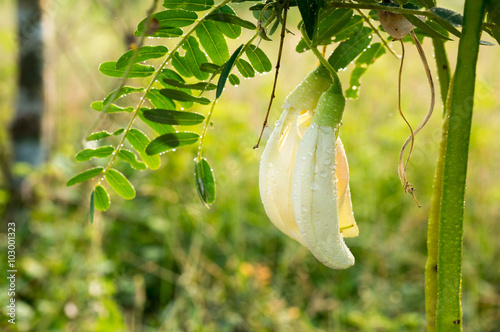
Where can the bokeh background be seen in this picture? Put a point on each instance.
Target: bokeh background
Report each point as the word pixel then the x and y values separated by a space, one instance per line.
pixel 164 262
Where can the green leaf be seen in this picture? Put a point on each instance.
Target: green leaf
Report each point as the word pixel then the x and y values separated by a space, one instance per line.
pixel 245 69
pixel 234 80
pixel 183 96
pixel 331 22
pixel 213 42
pixel 194 57
pixel 121 92
pixel 131 158
pixel 180 64
pixel 92 207
pixel 355 24
pixel 109 69
pixel 309 12
pixel 171 74
pixel 348 50
pixel 103 134
pixel 84 176
pixel 175 118
pixel 169 22
pixel 229 30
pixel 448 15
pixel 258 59
pixel 112 108
pixel 205 182
pixel 160 101
pixel 196 86
pixel 195 5
pixel 171 141
pixel 144 53
pixel 367 58
pixel 120 184
pixel 160 128
pixel 231 19
pixel 101 152
pixel 139 142
pixel 226 70
pixel 427 29
pixel 209 67
pixel 101 198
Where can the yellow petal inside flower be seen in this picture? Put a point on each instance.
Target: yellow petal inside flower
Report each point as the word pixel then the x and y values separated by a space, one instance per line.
pixel 347 224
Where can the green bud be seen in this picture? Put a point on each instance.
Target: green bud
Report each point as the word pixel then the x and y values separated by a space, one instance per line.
pixel 330 107
pixel 305 96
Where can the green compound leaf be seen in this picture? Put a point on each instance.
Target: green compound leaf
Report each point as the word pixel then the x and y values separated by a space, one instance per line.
pixel 194 5
pixel 144 53
pixel 448 15
pixel 228 29
pixel 113 108
pixel 103 134
pixel 183 96
pixel 101 152
pixel 258 59
pixel 331 22
pixel 120 184
pixel 245 69
pixel 175 118
pixel 139 142
pixel 101 198
pixel 226 70
pixel 169 22
pixel 171 141
pixel 205 181
pixel 130 157
pixel 213 42
pixel 367 58
pixel 194 58
pixel 84 176
pixel 309 12
pixel 348 50
pixel 427 29
pixel 355 24
pixel 109 69
pixel 195 86
pixel 231 19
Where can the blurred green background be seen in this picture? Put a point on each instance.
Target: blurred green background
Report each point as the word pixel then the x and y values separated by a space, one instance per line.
pixel 163 262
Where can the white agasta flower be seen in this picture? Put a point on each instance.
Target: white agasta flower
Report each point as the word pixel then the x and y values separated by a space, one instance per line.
pixel 304 185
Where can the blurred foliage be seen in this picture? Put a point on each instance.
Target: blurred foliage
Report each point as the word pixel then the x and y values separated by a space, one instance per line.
pixel 163 262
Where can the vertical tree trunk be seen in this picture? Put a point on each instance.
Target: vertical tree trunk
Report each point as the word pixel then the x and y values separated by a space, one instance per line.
pixel 26 128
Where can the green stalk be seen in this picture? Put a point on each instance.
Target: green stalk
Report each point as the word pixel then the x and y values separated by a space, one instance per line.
pixel 449 279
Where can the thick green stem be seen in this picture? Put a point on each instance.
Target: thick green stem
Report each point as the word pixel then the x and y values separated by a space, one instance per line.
pixel 449 311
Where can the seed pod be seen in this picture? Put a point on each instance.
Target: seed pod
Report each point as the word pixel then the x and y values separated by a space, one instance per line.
pixel 395 24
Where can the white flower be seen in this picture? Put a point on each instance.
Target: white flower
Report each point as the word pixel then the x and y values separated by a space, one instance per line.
pixel 304 184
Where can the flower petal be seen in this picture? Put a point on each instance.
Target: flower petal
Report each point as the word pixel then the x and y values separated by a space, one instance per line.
pixel 315 197
pixel 276 170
